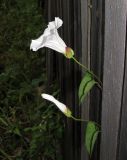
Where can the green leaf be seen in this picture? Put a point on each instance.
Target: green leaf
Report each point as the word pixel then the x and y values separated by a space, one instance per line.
pixel 17 131
pixel 3 121
pixel 92 131
pixel 85 86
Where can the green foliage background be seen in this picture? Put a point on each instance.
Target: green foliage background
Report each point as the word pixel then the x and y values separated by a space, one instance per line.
pixel 30 129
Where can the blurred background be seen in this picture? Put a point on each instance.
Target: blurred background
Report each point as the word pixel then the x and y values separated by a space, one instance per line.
pixel 30 128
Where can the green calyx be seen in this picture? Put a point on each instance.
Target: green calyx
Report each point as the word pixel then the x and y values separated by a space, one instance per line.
pixel 68 113
pixel 69 53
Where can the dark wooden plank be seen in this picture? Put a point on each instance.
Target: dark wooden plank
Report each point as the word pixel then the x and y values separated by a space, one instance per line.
pixel 77 74
pixel 123 132
pixel 96 63
pixel 85 59
pixel 67 75
pixel 64 68
pixel 50 55
pixel 96 56
pixel 114 54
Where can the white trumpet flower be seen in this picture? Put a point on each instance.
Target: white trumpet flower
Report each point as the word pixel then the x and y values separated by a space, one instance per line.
pixel 60 105
pixel 50 38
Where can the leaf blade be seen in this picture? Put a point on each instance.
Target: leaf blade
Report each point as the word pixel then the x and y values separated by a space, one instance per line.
pixel 85 86
pixel 91 135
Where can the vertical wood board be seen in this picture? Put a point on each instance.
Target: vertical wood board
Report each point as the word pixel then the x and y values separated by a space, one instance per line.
pixel 122 153
pixel 114 54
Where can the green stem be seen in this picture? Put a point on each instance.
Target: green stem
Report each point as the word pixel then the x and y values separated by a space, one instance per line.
pixel 99 85
pixel 82 120
pixel 76 119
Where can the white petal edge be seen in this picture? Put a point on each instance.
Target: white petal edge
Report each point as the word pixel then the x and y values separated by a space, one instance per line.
pixel 50 38
pixel 60 105
pixel 55 24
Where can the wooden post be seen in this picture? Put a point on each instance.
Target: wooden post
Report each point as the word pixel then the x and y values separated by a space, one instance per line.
pixel 122 152
pixel 114 60
pixel 97 33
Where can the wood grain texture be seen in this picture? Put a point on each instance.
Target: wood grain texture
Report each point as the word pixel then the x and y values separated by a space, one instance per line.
pixel 86 37
pixel 77 75
pixel 68 76
pixel 69 11
pixel 96 63
pixel 114 54
pixel 85 59
pixel 122 153
pixel 50 56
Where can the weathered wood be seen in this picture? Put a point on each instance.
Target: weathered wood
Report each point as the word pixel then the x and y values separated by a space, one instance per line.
pixel 67 10
pixel 66 84
pixel 85 59
pixel 49 55
pixel 96 63
pixel 77 74
pixel 83 31
pixel 114 54
pixel 123 132
pixel 96 57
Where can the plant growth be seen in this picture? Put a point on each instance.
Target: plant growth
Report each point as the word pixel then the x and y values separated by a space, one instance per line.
pixel 30 129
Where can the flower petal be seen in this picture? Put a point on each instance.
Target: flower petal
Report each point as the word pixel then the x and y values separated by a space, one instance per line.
pixel 58 22
pixel 55 42
pixel 60 40
pixel 35 45
pixel 60 105
pixel 50 38
pixel 55 24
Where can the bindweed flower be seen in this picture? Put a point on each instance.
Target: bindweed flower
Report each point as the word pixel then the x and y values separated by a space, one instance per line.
pixel 60 105
pixel 69 52
pixel 51 39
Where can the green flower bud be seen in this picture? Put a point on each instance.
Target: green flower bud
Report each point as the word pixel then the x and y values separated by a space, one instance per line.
pixel 68 112
pixel 69 53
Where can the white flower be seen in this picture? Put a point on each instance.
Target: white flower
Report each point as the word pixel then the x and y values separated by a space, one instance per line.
pixel 50 38
pixel 60 105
